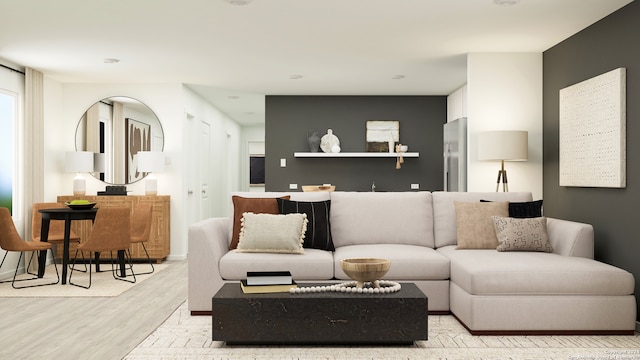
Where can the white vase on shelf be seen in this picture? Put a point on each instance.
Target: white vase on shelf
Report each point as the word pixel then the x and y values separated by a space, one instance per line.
pixel 329 141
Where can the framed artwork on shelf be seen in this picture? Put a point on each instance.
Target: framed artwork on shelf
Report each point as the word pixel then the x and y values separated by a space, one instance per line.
pixel 138 138
pixel 382 135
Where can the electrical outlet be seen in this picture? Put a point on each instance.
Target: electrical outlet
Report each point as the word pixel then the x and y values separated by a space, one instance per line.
pixel 293 186
pixel 415 186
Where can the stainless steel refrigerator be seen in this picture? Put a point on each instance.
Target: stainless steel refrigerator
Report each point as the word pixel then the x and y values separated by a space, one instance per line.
pixel 455 155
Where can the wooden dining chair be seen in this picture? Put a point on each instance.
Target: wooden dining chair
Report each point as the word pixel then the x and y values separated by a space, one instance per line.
pixel 141 229
pixel 110 232
pixel 10 240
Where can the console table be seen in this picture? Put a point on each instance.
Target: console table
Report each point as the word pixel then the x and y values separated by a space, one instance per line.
pixel 158 245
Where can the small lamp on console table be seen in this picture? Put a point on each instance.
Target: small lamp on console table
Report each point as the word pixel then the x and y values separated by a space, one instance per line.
pixel 150 162
pixel 512 145
pixel 79 162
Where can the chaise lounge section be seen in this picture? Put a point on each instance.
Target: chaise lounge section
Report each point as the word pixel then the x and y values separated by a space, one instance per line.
pixel 489 291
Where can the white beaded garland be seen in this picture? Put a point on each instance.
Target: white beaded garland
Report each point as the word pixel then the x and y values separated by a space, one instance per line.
pixel 386 287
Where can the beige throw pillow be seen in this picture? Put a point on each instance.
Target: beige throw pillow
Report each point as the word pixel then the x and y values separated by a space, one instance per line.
pixel 272 233
pixel 516 234
pixel 475 228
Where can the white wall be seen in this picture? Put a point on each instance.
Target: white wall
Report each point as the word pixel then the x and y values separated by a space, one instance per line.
pixel 504 92
pixel 225 148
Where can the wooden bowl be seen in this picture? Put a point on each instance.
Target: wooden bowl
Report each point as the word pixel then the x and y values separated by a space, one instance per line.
pixel 313 188
pixel 365 269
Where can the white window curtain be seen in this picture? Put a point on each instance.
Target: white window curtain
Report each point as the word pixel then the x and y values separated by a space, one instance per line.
pixel 33 143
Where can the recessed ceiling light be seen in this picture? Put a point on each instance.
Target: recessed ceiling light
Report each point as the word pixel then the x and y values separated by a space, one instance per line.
pixel 506 2
pixel 111 61
pixel 238 2
pixel 295 77
pixel 398 77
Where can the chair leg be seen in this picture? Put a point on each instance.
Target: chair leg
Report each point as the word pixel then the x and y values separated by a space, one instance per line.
pixel 149 260
pixel 73 266
pixel 15 274
pixel 84 262
pixel 114 269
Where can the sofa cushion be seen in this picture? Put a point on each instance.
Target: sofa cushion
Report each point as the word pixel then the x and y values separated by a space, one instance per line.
pixel 490 272
pixel 381 218
pixel 272 233
pixel 318 235
pixel 475 228
pixel 314 264
pixel 408 262
pixel 444 212
pixel 522 234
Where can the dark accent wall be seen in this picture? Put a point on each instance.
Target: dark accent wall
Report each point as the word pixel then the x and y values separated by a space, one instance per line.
pixel 606 45
pixel 290 119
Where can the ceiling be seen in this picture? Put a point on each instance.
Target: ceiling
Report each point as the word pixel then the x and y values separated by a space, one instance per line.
pixel 234 55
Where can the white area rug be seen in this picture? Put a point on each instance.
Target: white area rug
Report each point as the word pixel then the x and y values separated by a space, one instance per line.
pixel 102 284
pixel 183 336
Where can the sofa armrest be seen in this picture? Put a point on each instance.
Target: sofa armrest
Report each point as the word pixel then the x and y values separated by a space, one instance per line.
pixel 570 238
pixel 208 242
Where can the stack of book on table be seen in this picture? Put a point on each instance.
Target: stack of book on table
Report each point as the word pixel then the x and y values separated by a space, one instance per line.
pixel 267 282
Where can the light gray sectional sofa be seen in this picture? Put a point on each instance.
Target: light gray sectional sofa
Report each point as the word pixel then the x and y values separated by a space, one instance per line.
pixel 490 292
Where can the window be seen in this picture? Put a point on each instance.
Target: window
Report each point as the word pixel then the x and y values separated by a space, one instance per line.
pixel 11 94
pixel 8 105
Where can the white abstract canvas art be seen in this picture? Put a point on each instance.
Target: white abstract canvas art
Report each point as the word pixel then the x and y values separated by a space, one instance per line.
pixel 593 132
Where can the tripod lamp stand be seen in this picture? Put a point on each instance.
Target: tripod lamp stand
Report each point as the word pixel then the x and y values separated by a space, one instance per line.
pixel 503 146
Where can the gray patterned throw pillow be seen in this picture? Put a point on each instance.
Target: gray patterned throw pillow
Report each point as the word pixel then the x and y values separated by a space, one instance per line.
pixel 516 234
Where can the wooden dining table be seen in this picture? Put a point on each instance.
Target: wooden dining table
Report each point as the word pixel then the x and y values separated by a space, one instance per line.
pixel 67 215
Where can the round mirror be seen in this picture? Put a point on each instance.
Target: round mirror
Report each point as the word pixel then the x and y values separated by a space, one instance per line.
pixel 115 129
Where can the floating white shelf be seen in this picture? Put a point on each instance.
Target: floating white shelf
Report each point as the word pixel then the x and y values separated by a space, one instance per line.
pixel 354 154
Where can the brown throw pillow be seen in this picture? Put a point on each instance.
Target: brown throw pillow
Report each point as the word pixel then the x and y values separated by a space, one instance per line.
pixel 475 229
pixel 242 205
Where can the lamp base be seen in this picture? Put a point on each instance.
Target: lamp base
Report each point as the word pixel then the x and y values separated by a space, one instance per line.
pixel 151 186
pixel 79 186
pixel 502 178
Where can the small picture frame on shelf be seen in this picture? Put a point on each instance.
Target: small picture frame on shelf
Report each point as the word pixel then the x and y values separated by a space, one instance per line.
pixel 382 135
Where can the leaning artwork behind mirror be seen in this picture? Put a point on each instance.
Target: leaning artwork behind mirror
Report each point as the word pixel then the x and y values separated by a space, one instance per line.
pixel 118 128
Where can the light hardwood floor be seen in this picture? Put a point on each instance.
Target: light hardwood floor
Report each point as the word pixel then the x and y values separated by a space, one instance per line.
pixel 90 328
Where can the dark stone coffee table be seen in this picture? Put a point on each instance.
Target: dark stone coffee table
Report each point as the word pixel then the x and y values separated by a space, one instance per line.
pixel 319 318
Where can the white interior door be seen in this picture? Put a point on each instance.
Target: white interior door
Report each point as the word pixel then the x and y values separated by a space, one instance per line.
pixel 192 165
pixel 205 169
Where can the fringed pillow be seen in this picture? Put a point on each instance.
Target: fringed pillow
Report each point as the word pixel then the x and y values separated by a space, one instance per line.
pixel 272 233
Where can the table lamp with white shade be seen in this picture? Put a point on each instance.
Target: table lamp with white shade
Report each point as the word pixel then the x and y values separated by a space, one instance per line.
pixel 79 162
pixel 150 162
pixel 508 145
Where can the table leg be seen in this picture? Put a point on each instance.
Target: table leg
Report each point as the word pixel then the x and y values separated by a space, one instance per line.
pixel 97 257
pixel 123 270
pixel 65 253
pixel 42 256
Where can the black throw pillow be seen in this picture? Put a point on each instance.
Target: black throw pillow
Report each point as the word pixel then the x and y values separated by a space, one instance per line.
pixel 318 235
pixel 527 209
